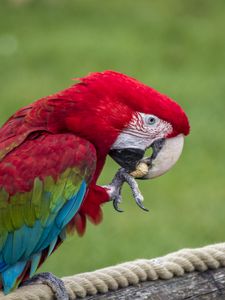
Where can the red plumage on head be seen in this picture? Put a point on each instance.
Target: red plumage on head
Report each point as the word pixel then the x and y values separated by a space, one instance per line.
pixel 138 97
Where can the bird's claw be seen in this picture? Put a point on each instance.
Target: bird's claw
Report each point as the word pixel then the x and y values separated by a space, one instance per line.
pixel 116 186
pixel 116 202
pixel 140 204
pixel 114 191
pixel 55 283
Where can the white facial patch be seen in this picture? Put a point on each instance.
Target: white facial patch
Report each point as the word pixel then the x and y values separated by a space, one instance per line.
pixel 142 131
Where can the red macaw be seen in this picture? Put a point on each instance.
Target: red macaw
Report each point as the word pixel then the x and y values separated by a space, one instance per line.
pixel 53 151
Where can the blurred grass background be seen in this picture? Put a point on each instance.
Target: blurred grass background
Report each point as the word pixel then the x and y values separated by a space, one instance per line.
pixel 177 47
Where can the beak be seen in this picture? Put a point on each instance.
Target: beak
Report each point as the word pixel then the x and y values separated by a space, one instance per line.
pixel 166 153
pixel 164 157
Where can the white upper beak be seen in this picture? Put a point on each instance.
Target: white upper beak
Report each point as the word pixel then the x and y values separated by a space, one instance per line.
pixel 167 157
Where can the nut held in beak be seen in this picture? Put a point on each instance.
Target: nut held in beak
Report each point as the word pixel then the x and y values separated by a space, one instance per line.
pixel 141 171
pixel 164 161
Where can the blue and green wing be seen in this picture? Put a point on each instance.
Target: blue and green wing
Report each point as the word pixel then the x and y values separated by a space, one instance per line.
pixel 42 185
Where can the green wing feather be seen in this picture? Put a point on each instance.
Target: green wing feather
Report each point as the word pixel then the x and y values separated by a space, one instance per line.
pixel 30 220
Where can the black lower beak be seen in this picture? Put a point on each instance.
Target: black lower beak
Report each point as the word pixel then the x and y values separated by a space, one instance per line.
pixel 128 158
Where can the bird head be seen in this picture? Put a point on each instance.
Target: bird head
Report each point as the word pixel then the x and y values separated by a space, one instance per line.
pixel 123 117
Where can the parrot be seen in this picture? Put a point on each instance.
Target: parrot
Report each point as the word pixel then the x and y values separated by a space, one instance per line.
pixel 52 153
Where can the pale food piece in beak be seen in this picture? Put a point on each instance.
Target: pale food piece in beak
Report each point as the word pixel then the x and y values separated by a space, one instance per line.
pixel 141 171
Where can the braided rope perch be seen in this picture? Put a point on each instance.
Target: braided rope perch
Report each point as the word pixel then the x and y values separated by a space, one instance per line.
pixel 130 273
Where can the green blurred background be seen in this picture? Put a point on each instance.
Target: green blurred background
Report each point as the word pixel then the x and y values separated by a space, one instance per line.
pixel 177 47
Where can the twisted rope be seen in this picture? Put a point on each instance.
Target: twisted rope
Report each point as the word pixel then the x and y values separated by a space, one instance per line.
pixel 130 273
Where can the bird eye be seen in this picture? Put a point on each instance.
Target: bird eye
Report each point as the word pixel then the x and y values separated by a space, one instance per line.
pixel 151 120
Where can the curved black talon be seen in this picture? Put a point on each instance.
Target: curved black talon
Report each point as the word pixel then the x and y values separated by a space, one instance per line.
pixel 115 205
pixel 140 204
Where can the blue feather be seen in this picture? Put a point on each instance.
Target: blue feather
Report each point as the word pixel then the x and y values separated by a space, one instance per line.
pixel 43 237
pixel 71 207
pixel 52 246
pixel 3 265
pixel 9 276
pixel 33 234
pixel 34 263
pixel 7 251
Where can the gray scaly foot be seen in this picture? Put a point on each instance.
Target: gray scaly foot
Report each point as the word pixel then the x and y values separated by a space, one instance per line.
pixel 116 185
pixel 56 284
